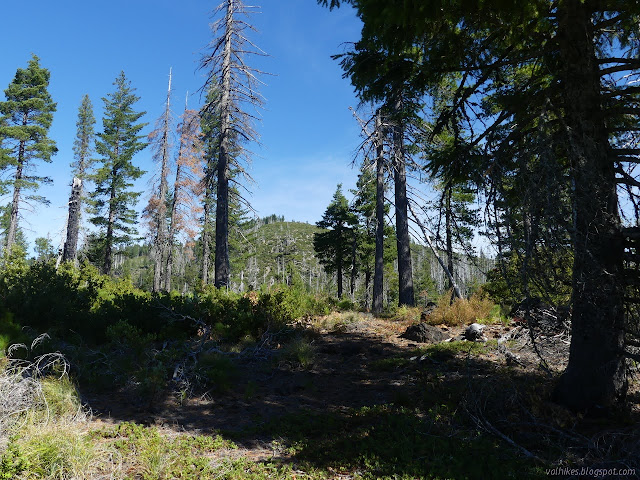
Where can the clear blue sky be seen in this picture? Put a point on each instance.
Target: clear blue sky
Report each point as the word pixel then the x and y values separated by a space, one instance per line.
pixel 309 136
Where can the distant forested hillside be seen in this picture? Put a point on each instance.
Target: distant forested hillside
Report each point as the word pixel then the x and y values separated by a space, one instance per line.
pixel 269 251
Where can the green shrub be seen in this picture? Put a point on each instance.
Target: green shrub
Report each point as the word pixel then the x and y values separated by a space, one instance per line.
pixel 300 352
pixel 13 461
pixel 346 305
pixel 216 370
pixel 10 332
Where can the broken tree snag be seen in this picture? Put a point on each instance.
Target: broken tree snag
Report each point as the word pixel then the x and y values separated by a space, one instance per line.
pixel 70 250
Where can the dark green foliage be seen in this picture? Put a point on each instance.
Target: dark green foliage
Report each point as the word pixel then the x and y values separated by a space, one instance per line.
pixel 25 118
pixel 112 200
pixel 20 240
pixel 334 246
pixel 44 248
pixel 83 144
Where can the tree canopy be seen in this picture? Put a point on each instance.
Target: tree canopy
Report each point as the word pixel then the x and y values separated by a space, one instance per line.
pixel 112 200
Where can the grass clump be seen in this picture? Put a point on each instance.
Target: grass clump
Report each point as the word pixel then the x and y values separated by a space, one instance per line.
pixel 407 314
pixel 146 452
pixel 462 311
pixel 300 352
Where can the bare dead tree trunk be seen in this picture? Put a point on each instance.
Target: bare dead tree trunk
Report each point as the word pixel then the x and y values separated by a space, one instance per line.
pixel 405 274
pixel 448 234
pixel 378 277
pixel 172 226
pixel 236 83
pixel 70 249
pixel 222 195
pixel 159 275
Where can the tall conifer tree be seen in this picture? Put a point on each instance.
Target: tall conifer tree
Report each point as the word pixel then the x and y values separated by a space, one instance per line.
pixel 236 84
pixel 26 116
pixel 112 201
pixel 157 207
pixel 334 246
pixel 82 149
pixel 562 68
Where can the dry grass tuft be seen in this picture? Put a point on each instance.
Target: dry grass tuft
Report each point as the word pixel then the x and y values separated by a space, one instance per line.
pixel 462 311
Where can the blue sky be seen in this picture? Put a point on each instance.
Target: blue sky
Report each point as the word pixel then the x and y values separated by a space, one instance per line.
pixel 308 135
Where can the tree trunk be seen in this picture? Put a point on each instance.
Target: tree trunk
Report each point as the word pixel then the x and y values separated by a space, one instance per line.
pixel 378 277
pixel 222 205
pixel 339 275
pixel 405 275
pixel 222 228
pixel 70 250
pixel 354 271
pixel 172 227
pixel 596 372
pixel 15 203
pixel 159 273
pixel 448 234
pixel 206 237
pixel 108 247
pixel 367 284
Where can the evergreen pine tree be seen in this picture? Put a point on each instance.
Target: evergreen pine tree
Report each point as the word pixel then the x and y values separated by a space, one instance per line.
pixel 26 116
pixel 334 246
pixel 112 200
pixel 364 206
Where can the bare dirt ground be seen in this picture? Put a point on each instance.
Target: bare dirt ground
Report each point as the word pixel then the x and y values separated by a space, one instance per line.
pixel 346 373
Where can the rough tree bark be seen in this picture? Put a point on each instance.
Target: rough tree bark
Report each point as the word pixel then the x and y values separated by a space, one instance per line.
pixel 405 274
pixel 596 372
pixel 222 269
pixel 69 252
pixel 160 242
pixel 378 277
pixel 237 86
pixel 206 238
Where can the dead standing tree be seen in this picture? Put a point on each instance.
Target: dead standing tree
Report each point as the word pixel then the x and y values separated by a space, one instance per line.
pixel 82 149
pixel 187 190
pixel 237 84
pixel 375 138
pixel 157 208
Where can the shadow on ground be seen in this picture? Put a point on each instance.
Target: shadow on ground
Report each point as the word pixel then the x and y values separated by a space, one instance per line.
pixel 377 406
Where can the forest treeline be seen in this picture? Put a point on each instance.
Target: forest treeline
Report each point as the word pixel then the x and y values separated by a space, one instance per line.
pixel 195 223
pixel 521 119
pixel 535 106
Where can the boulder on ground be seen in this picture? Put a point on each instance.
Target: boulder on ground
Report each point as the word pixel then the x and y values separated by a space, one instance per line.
pixel 473 333
pixel 424 333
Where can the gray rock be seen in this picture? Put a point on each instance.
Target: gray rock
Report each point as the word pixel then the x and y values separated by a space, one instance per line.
pixel 473 333
pixel 424 333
